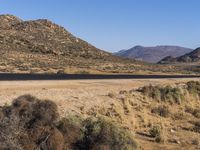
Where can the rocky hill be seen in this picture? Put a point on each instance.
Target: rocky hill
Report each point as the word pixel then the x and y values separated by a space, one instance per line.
pixel 43 36
pixel 41 45
pixel 153 54
pixel 191 57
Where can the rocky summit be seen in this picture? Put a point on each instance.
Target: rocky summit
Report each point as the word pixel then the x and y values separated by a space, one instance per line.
pixel 41 45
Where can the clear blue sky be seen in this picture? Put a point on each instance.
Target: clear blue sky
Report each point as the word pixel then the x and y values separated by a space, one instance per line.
pixel 113 25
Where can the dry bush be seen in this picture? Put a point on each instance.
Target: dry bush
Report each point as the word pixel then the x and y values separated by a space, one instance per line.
pixel 196 127
pixel 95 134
pixel 151 91
pixel 30 123
pixel 157 133
pixel 179 116
pixel 72 129
pixel 161 110
pixel 166 94
pixel 100 133
pixel 33 111
pixel 111 94
pixel 193 87
pixel 60 72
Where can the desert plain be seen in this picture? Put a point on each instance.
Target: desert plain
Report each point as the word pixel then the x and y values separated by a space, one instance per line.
pixel 119 101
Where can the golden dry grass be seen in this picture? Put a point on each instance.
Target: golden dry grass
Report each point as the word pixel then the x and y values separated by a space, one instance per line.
pixel 130 108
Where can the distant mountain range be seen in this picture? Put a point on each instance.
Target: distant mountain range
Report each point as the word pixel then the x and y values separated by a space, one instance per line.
pixel 191 57
pixel 153 54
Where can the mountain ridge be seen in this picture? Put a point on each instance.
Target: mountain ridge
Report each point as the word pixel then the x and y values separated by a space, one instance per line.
pixel 192 57
pixel 152 54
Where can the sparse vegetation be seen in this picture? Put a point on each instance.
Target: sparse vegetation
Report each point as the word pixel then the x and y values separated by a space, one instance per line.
pixel 82 72
pixel 30 123
pixel 61 72
pixel 178 116
pixel 166 94
pixel 161 110
pixel 111 94
pixel 100 133
pixel 194 111
pixel 195 142
pixel 110 119
pixel 157 133
pixel 196 127
pixel 193 87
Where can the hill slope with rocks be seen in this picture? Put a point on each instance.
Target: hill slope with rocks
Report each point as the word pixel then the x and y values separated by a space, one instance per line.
pixel 43 36
pixel 153 54
pixel 41 45
pixel 191 57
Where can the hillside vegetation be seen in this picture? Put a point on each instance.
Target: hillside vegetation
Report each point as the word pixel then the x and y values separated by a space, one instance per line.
pixel 164 115
pixel 30 123
pixel 41 46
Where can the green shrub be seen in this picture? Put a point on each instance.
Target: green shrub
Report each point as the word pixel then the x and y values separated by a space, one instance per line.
pixel 167 93
pixel 160 139
pixel 171 94
pixel 161 110
pixel 103 133
pixel 72 129
pixel 157 133
pixel 193 87
pixel 151 91
pixel 31 123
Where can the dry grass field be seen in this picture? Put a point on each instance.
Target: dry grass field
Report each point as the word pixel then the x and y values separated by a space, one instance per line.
pixel 158 121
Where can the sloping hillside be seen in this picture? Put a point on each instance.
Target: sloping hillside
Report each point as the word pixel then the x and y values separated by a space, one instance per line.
pixel 191 57
pixel 44 37
pixel 41 45
pixel 153 54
